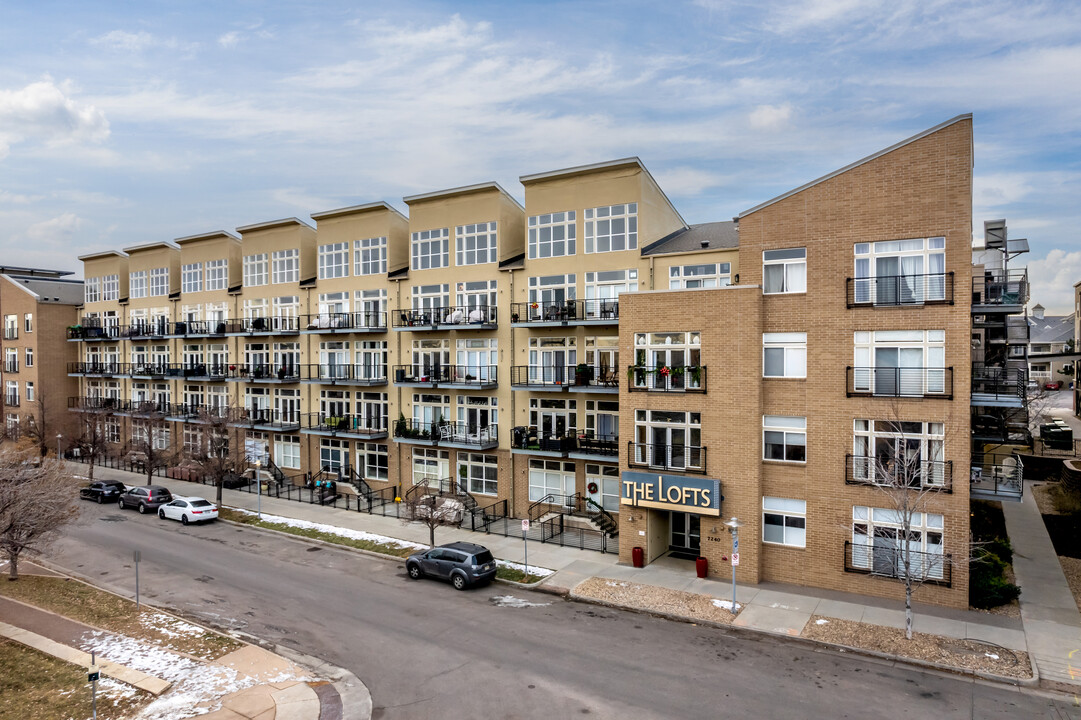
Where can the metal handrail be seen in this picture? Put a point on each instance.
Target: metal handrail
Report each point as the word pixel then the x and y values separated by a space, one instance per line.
pixel 466 315
pixel 928 474
pixel 885 561
pixel 454 374
pixel 661 456
pixel 925 382
pixel 667 378
pixel 899 290
pixel 565 311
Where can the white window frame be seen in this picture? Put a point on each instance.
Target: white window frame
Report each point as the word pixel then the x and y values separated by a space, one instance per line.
pixel 287 451
pixel 370 256
pixel 792 515
pixel 334 260
pixel 485 464
pixel 927 378
pixel 159 282
pixel 137 285
pixel 552 235
pixel 793 354
pixel 28 322
pixel 927 285
pixel 110 288
pixel 256 270
pixel 601 234
pixel 217 275
pixel 475 244
pixel 430 249
pixel 191 278
pixel 706 275
pixel 547 477
pixel 92 290
pixel 793 263
pixel 285 266
pixel 868 461
pixel 29 359
pixel 792 429
pixel 926 534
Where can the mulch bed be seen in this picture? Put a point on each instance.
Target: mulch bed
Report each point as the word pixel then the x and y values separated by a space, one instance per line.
pixel 1065 532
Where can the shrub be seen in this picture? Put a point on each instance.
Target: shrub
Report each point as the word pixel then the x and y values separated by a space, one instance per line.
pixel 988 586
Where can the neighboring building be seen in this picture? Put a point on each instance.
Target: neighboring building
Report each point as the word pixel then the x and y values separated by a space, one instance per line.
pixel 36 306
pixel 593 356
pixel 1050 334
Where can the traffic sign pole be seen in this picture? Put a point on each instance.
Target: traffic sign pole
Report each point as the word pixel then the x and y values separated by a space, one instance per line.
pixel 525 545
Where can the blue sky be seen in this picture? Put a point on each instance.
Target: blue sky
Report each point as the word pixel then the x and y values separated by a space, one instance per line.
pixel 125 123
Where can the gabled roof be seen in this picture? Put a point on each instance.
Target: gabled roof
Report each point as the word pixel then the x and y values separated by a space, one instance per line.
pixel 49 290
pixel 1051 329
pixel 869 158
pixel 463 190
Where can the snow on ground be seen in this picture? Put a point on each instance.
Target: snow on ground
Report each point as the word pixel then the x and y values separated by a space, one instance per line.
pixel 822 621
pixel 339 531
pixel 726 605
pixel 531 569
pixel 511 601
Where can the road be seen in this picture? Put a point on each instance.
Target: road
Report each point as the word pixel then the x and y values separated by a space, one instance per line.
pixel 428 651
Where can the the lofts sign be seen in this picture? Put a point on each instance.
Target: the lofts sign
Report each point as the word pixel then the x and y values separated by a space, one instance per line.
pixel 671 492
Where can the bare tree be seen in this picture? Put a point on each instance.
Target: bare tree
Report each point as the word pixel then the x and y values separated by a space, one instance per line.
pixel 425 505
pixel 151 446
pixel 93 440
pixel 27 524
pixel 217 457
pixel 909 475
pixel 41 426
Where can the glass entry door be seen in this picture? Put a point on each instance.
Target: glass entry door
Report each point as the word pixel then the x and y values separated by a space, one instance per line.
pixel 686 533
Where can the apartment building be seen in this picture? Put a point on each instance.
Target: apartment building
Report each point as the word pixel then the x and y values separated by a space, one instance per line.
pixel 36 306
pixel 591 360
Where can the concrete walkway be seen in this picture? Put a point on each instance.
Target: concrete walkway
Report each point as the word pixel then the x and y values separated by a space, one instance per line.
pixel 1051 620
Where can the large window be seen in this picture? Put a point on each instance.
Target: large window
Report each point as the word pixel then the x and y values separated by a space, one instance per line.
pixel 784 521
pixel 611 228
pixel 475 243
pixel 285 266
pixel 431 249
pixel 606 480
pixel 880 544
pixel 553 418
pixel 110 288
pixel 217 274
pixel 191 278
pixel 92 290
pixel 430 465
pixel 896 452
pixel 548 292
pixel 137 284
pixel 709 275
pixel 287 451
pixel 900 362
pixel 784 438
pixel 255 270
pixel 478 473
pixel 784 271
pixel 552 235
pixel 784 355
pixel 551 477
pixel 159 282
pixel 333 260
pixel 667 361
pixel 668 439
pixel 375 460
pixel 370 256
pixel 899 272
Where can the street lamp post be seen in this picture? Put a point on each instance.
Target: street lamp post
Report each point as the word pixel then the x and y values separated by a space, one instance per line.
pixel 59 451
pixel 733 526
pixel 258 490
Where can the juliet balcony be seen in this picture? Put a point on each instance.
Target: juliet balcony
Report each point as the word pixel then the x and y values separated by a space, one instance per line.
pixel 910 382
pixel 665 378
pixel 462 377
pixel 560 378
pixel 890 558
pixel 466 436
pixel 344 374
pixel 451 317
pixel 899 290
pixel 659 456
pixel 557 313
pixel 880 472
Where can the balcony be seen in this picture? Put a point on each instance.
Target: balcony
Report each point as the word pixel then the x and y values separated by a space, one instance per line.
pixel 910 382
pixel 1000 291
pixel 663 378
pixel 997 481
pixel 344 322
pixel 900 290
pixel 998 386
pixel 564 312
pixel 199 371
pixel 451 317
pixel 363 427
pixel 580 445
pixel 262 326
pixel 881 472
pixel 93 404
pixel 447 434
pixel 95 369
pixel 11 400
pixel 657 456
pixel 264 373
pixel 147 370
pixel 557 378
pixel 93 329
pixel 11 366
pixel 259 418
pixel 886 559
pixel 202 328
pixel 148 330
pixel 333 374
pixel 144 408
pixel 462 377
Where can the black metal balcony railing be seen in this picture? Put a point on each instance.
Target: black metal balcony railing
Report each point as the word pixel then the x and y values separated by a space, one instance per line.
pixel 204 328
pixel 565 311
pixel 93 332
pixel 597 445
pixel 95 368
pixel 659 456
pixel 435 375
pixel 89 404
pixel 999 287
pixel 485 316
pixel 259 372
pixel 346 424
pixel 891 558
pixel 147 369
pixel 900 382
pixel 361 321
pixel 665 378
pixel 584 442
pixel 882 472
pixel 262 417
pixel 899 290
pixel 998 382
pixel 1003 479
pixel 145 408
pixel 355 374
pixel 199 370
pixel 199 412
pixel 563 376
pixel 447 432
pixel 146 330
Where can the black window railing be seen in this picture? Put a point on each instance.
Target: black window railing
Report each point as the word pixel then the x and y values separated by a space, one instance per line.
pixel 287 419
pixel 560 376
pixel 358 373
pixel 479 375
pixel 899 290
pixel 447 432
pixel 266 372
pixel 999 382
pixel 888 557
pixel 660 456
pixel 346 424
pixel 900 382
pixel 453 315
pixel 565 311
pixel 11 366
pixel 888 472
pixel 666 378
pixel 360 321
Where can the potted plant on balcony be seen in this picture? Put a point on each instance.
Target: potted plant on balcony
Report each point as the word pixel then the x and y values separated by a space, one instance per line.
pixel 401 428
pixel 583 374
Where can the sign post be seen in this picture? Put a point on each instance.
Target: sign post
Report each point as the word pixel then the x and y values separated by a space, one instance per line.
pixel 733 526
pixel 92 676
pixel 525 544
pixel 138 557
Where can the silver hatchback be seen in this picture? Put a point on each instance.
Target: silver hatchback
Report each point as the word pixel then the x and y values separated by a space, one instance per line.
pixel 462 563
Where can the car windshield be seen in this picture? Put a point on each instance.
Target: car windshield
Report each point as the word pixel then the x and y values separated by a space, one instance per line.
pixel 200 503
pixel 484 556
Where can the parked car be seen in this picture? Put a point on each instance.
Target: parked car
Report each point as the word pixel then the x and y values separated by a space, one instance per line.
pixel 102 491
pixel 1053 385
pixel 189 510
pixel 462 563
pixel 145 498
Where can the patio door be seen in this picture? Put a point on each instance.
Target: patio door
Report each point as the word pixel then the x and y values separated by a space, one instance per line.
pixel 549 366
pixel 686 532
pixel 333 455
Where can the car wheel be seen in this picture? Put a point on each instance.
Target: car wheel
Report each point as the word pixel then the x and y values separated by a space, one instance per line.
pixel 100 500
pixel 161 514
pixel 142 508
pixel 414 571
pixel 183 519
pixel 458 581
pixel 120 503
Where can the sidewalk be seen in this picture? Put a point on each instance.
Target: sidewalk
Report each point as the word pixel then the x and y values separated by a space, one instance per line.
pixel 1051 619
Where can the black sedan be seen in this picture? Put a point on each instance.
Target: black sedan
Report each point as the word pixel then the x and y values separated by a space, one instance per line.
pixel 102 491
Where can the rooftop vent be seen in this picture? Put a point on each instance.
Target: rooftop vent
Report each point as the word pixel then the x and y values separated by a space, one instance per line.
pixel 705 243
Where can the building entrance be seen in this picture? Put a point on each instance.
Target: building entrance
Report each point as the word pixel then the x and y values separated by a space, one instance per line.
pixel 685 538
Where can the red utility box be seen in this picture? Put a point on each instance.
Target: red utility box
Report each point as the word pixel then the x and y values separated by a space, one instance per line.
pixel 638 557
pixel 701 565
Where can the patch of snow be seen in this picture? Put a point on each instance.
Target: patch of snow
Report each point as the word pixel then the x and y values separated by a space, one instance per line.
pixel 991 655
pixel 613 583
pixel 511 601
pixel 726 605
pixel 779 605
pixel 822 621
pixel 339 531
pixel 532 569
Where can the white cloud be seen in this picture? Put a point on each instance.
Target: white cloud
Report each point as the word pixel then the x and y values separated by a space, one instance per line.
pixel 126 41
pixel 688 181
pixel 58 231
pixel 770 117
pixel 229 39
pixel 1052 279
pixel 44 112
pixel 299 198
pixel 10 198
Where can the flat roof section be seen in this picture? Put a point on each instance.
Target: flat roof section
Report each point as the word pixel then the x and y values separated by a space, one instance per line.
pixel 168 244
pixel 273 224
pixel 356 209
pixel 102 254
pixel 216 234
pixel 463 190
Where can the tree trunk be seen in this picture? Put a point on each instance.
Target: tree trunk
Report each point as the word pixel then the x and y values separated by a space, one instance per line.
pixel 13 567
pixel 908 611
pixel 90 470
pixel 221 484
pixel 431 535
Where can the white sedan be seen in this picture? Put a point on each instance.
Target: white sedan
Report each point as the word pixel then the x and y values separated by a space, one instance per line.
pixel 189 510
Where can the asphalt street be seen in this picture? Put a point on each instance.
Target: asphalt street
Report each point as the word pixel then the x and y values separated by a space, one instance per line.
pixel 426 650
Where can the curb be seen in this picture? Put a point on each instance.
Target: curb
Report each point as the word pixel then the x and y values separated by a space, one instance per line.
pixel 1033 682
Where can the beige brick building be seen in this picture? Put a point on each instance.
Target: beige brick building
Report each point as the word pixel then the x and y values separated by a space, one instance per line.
pixel 590 361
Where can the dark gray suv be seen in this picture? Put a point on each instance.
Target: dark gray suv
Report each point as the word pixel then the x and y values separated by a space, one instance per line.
pixel 462 563
pixel 147 498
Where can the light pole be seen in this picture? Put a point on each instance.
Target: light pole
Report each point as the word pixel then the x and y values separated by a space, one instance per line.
pixel 733 526
pixel 59 451
pixel 258 489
